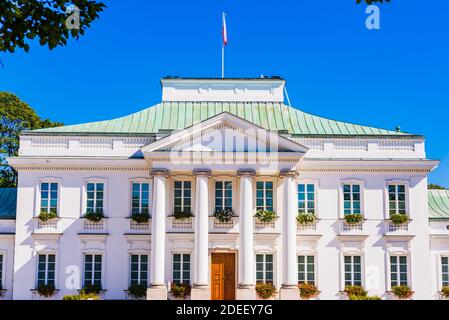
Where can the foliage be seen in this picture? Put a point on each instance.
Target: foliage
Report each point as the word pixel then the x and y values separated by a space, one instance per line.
pixel 47 215
pixel 402 291
pixel 140 217
pixel 306 218
pixel 15 117
pixel 180 290
pixel 46 290
pixel 353 297
pixel 223 215
pixel 435 187
pixel 357 291
pixel 445 291
pixel 137 290
pixel 398 219
pixel 353 218
pixel 182 214
pixel 22 21
pixel 91 288
pixel 94 216
pixel 265 216
pixel 307 290
pixel 82 296
pixel 372 1
pixel 265 290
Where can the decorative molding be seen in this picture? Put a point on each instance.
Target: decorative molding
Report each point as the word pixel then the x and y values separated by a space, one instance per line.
pixel 159 172
pixel 246 173
pixel 202 172
pixel 288 173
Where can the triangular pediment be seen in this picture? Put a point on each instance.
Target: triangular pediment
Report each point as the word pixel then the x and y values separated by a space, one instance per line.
pixel 225 133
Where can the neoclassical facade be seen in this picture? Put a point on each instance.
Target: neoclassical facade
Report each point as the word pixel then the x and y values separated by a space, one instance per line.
pixel 214 146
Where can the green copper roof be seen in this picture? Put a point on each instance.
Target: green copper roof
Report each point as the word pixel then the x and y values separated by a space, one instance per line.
pixel 439 204
pixel 8 203
pixel 180 115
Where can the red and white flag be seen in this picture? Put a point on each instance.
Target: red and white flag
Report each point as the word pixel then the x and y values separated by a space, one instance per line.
pixel 225 31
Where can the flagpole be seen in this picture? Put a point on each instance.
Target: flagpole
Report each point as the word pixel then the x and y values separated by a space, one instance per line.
pixel 223 49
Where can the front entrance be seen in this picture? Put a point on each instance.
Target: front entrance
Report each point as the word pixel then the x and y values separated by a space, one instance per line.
pixel 223 276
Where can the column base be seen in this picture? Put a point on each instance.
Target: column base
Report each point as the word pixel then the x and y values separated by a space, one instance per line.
pixel 289 293
pixel 157 292
pixel 200 292
pixel 246 293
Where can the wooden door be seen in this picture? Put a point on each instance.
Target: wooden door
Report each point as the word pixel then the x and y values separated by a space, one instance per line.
pixel 223 276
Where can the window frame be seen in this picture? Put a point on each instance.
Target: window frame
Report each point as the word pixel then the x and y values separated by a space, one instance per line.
pixel 46 253
pixel 352 182
pixel 84 194
pixel 264 266
pixel 141 181
pixel 139 254
pixel 223 181
pixel 362 269
pixel 306 270
pixel 264 193
pixel 183 181
pixel 102 269
pixel 394 254
pixel 3 270
pixel 396 182
pixel 38 198
pixel 181 271
pixel 95 199
pixel 306 182
pixel 440 270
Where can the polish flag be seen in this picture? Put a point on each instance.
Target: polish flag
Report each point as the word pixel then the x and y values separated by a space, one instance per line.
pixel 225 31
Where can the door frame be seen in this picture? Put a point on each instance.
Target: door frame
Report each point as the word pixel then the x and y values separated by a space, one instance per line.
pixel 236 267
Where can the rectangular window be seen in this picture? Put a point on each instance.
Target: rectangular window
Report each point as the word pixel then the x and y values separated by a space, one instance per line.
pixel 353 270
pixel 306 198
pixel 139 269
pixel 444 271
pixel 181 268
pixel 140 198
pixel 183 196
pixel 264 268
pixel 351 199
pixel 92 269
pixel 306 269
pixel 264 195
pixel 398 270
pixel 49 197
pixel 1 271
pixel 223 195
pixel 95 196
pixel 46 269
pixel 396 198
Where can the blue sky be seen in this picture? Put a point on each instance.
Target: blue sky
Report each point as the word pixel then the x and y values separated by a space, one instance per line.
pixel 334 66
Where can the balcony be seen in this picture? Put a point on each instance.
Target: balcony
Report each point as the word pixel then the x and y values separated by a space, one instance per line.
pixel 265 227
pixel 139 226
pixel 93 227
pixel 180 225
pixel 309 230
pixel 398 231
pixel 50 226
pixel 355 231
pixel 215 226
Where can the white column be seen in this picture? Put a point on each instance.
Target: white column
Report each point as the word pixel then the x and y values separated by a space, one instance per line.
pixel 158 290
pixel 246 246
pixel 200 288
pixel 290 211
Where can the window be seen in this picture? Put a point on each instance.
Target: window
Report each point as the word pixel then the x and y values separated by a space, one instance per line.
pixel 306 269
pixel 396 198
pixel 444 271
pixel 353 270
pixel 223 195
pixel 139 269
pixel 95 196
pixel 264 268
pixel 49 197
pixel 183 194
pixel 306 198
pixel 181 268
pixel 92 269
pixel 140 198
pixel 398 270
pixel 351 198
pixel 46 269
pixel 1 271
pixel 264 195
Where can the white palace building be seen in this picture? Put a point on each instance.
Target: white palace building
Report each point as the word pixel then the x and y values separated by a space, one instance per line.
pixel 214 148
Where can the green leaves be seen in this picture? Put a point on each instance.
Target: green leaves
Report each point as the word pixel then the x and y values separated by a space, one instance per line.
pixel 22 21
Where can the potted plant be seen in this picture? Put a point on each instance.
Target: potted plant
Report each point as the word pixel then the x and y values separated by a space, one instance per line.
pixel 402 292
pixel 46 290
pixel 137 291
pixel 265 216
pixel 398 219
pixel 306 218
pixel 140 217
pixel 445 291
pixel 180 290
pixel 94 216
pixel 354 218
pixel 223 215
pixel 91 288
pixel 82 296
pixel 265 290
pixel 47 215
pixel 307 291
pixel 182 214
pixel 354 292
pixel 365 298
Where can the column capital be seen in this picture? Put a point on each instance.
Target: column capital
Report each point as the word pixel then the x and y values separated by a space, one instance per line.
pixel 284 173
pixel 161 172
pixel 202 172
pixel 246 173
